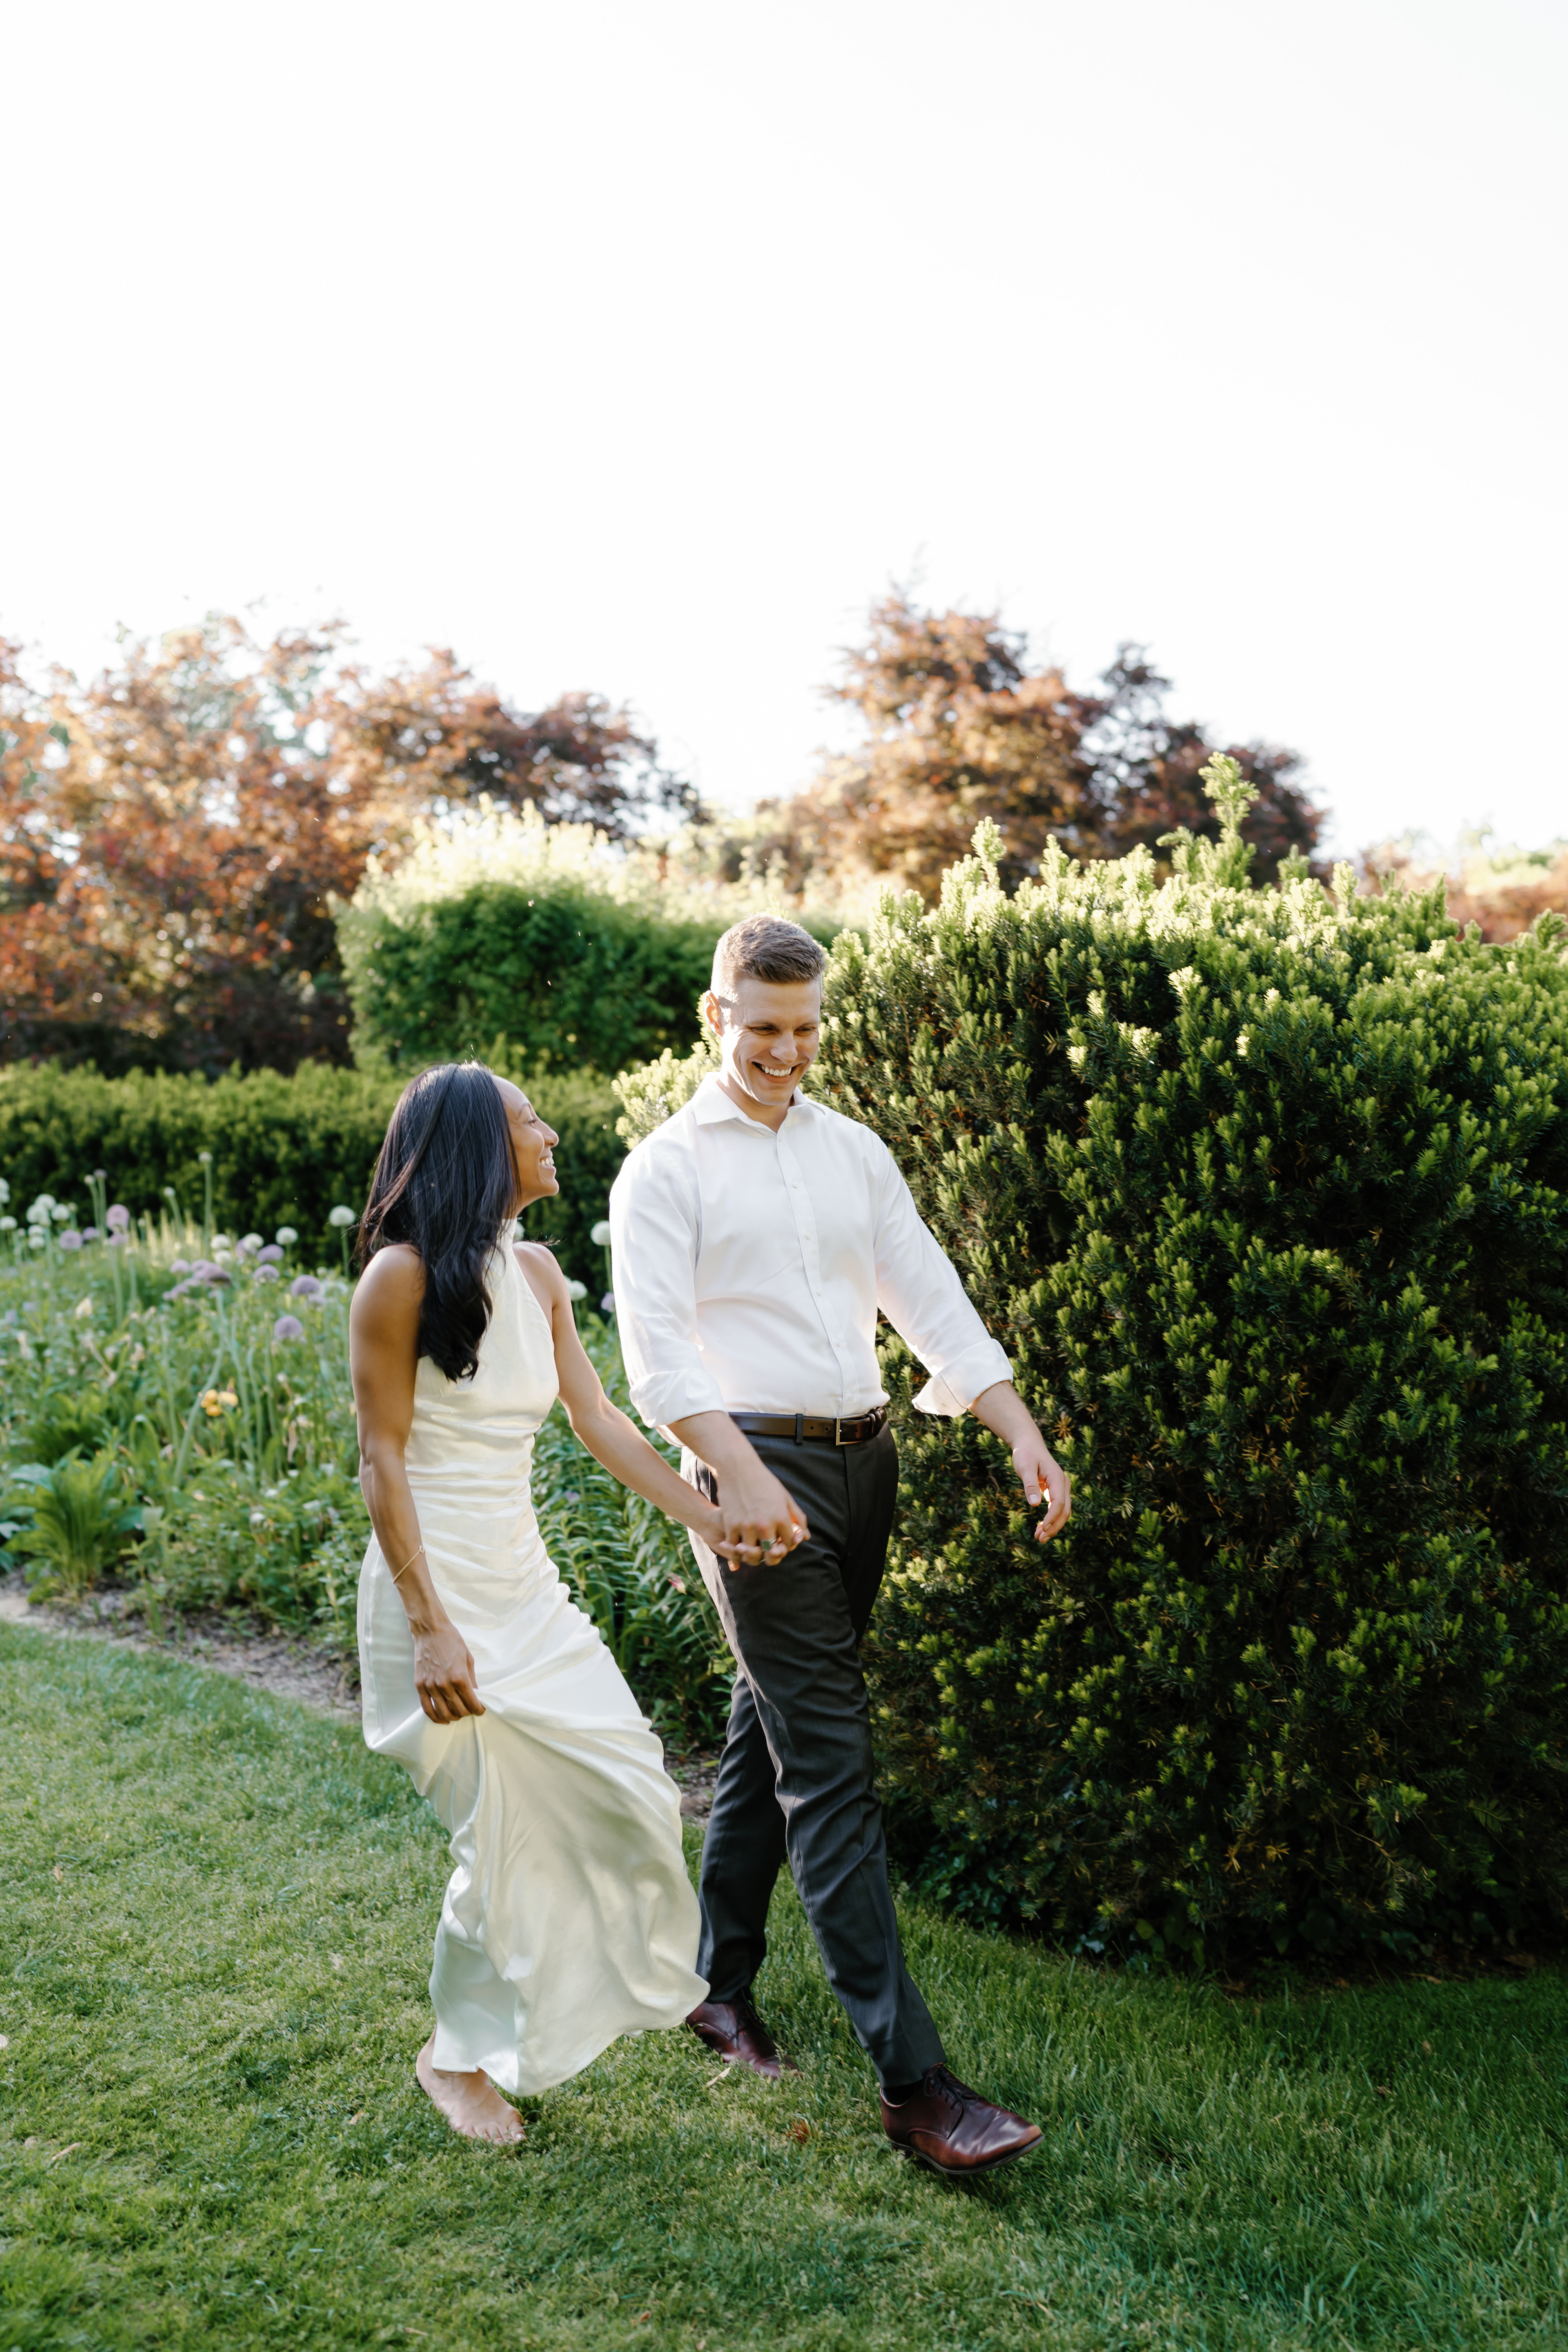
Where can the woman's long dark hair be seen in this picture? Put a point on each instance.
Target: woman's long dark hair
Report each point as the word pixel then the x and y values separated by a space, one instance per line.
pixel 446 1182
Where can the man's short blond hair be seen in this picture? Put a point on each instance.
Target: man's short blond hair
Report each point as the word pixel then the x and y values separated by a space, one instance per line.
pixel 765 947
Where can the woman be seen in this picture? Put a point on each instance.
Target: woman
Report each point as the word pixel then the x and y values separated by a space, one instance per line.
pixel 569 1919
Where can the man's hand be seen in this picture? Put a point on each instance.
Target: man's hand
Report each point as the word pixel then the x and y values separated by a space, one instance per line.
pixel 763 1522
pixel 1041 1476
pixel 444 1674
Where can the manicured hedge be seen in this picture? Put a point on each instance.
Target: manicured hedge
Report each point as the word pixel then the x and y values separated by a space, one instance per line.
pixel 285 1151
pixel 567 976
pixel 1266 1195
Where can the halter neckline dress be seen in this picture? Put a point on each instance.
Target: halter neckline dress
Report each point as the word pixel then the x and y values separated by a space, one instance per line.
pixel 569 1919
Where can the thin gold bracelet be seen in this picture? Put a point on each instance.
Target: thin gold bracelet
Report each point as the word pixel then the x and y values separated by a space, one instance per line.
pixel 407 1564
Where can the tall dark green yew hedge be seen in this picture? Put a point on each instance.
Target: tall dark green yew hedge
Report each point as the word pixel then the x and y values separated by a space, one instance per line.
pixel 1265 1195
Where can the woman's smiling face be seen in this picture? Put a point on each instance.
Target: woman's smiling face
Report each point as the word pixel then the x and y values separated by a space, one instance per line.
pixel 532 1144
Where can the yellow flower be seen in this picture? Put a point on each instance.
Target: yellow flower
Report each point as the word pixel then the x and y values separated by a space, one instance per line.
pixel 228 1398
pixel 211 1405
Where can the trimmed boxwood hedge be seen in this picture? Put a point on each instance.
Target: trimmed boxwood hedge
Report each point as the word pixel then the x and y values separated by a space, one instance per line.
pixel 285 1151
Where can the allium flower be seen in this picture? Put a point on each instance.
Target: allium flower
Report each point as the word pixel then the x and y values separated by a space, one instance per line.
pixel 600 1236
pixel 288 1326
pixel 179 1266
pixel 61 1212
pixel 575 1290
pixel 341 1216
pixel 265 1273
pixel 7 1225
pixel 285 1234
pixel 248 1241
pixel 607 1304
pixel 89 1233
pixel 4 1192
pixel 38 1214
pixel 119 1216
pixel 71 1240
pixel 305 1286
pixel 269 1255
pixel 37 1237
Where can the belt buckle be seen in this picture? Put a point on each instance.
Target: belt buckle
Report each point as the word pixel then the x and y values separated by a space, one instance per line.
pixel 837 1440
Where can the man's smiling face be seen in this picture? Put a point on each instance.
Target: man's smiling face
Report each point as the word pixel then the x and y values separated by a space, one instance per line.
pixel 769 1030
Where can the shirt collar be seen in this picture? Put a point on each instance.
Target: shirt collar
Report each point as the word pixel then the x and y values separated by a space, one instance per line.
pixel 709 1106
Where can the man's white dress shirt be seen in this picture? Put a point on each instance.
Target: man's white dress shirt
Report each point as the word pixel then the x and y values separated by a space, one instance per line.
pixel 749 1267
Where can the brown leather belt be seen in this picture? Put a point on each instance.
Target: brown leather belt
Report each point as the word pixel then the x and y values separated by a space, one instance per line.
pixel 805 1427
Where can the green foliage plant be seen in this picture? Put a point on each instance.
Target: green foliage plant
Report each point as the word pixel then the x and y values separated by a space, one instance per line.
pixel 77 1518
pixel 1263 1190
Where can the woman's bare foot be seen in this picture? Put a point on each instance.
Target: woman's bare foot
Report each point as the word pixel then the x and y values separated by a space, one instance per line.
pixel 470 2102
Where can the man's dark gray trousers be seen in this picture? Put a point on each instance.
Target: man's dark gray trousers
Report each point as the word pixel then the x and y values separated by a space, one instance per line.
pixel 795 1777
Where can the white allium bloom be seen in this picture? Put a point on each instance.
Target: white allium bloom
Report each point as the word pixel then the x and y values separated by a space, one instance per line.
pixel 7 1225
pixel 575 1290
pixel 61 1212
pixel 284 1236
pixel 340 1215
pixel 4 1192
pixel 600 1236
pixel 38 1214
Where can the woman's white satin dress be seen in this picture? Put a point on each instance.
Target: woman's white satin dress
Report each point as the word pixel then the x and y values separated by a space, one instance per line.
pixel 569 1919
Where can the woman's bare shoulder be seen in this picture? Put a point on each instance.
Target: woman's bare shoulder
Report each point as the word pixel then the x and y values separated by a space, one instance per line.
pixel 392 1283
pixel 538 1264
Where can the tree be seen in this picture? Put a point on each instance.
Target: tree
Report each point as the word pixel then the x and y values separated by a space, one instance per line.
pixel 173 837
pixel 960 728
pixel 433 736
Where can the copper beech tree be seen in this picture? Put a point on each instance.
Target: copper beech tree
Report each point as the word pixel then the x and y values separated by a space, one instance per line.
pixel 172 835
pixel 958 727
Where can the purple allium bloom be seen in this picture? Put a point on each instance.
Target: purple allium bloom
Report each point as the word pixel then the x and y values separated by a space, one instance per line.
pixel 179 1266
pixel 90 1232
pixel 607 1304
pixel 305 1286
pixel 205 1271
pixel 70 1239
pixel 178 1289
pixel 265 1273
pixel 118 1218
pixel 269 1255
pixel 288 1326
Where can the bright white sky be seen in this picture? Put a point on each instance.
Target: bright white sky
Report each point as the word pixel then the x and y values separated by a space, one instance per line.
pixel 637 346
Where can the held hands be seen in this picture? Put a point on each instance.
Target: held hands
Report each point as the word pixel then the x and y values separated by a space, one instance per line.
pixel 755 1522
pixel 444 1674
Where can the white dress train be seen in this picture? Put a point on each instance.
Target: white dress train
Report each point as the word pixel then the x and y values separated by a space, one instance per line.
pixel 569 1919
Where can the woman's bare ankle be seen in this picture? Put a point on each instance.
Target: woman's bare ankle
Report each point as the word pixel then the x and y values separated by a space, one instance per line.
pixel 468 2099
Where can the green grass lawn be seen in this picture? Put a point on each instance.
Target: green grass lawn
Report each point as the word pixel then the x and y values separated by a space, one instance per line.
pixel 216 1935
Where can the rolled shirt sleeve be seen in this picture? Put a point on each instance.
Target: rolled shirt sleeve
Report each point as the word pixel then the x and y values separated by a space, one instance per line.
pixel 656 1288
pixel 918 1291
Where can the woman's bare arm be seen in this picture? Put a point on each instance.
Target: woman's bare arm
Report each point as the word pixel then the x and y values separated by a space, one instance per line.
pixel 383 1342
pixel 601 1426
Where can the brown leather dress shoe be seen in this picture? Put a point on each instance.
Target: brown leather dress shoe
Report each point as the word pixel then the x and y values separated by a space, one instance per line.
pixel 954 2130
pixel 733 2032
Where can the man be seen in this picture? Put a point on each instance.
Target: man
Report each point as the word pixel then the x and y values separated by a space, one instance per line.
pixel 755 1236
